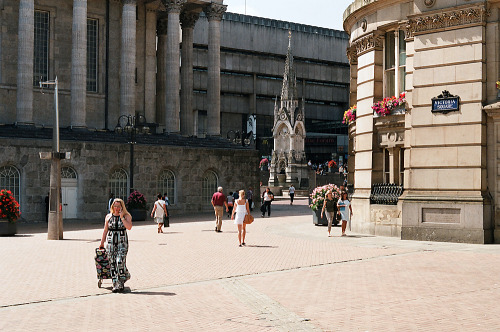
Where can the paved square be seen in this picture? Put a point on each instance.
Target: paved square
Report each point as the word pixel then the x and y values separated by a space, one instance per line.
pixel 289 277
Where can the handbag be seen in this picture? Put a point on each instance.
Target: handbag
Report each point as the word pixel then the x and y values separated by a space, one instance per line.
pixel 248 219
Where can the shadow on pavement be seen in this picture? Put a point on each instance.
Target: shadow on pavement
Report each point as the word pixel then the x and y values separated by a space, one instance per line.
pixel 152 293
pixel 257 246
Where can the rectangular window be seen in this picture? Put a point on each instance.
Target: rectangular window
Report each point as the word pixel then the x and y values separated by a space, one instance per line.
pixel 394 63
pixel 387 168
pixel 401 166
pixel 41 47
pixel 92 49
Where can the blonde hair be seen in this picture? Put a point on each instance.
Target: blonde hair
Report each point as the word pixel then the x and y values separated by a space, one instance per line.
pixel 122 203
pixel 242 193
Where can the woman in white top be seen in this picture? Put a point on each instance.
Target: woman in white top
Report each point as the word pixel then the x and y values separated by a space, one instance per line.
pixel 345 210
pixel 241 208
pixel 159 211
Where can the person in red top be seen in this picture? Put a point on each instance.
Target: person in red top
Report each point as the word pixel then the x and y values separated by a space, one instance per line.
pixel 218 202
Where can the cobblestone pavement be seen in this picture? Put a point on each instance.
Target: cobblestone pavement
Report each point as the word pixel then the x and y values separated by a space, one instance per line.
pixel 289 277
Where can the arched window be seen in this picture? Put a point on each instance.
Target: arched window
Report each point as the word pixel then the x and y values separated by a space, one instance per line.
pixel 118 184
pixel 10 180
pixel 210 184
pixel 166 184
pixel 68 173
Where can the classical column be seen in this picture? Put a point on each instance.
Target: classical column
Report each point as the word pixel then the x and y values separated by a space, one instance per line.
pixel 127 63
pixel 173 82
pixel 150 70
pixel 214 14
pixel 79 64
pixel 161 75
pixel 188 20
pixel 25 62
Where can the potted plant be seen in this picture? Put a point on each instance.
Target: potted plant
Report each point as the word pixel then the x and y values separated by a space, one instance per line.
pixel 390 105
pixel 136 205
pixel 9 213
pixel 316 199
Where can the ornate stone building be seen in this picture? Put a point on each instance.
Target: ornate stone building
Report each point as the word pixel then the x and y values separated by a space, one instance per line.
pixel 185 69
pixel 435 159
pixel 288 158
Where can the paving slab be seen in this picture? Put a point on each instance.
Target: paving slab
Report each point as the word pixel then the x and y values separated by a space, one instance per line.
pixel 290 277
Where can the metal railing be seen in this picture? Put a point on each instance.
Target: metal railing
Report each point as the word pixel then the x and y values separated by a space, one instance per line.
pixel 385 193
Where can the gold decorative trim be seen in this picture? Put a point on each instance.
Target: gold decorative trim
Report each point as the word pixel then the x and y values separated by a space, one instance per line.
pixel 438 20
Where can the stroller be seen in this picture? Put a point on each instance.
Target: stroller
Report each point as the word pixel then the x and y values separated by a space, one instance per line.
pixel 102 265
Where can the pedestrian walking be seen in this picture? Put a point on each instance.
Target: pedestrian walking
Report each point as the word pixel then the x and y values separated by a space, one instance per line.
pixel 330 205
pixel 230 202
pixel 116 224
pixel 218 202
pixel 345 211
pixel 241 209
pixel 110 201
pixel 159 212
pixel 291 192
pixel 267 198
pixel 166 218
pixel 250 198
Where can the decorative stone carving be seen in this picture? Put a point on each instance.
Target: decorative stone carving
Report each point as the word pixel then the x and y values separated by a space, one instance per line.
pixel 365 44
pixel 173 6
pixel 364 24
pixel 428 23
pixel 429 3
pixel 215 11
pixel 188 19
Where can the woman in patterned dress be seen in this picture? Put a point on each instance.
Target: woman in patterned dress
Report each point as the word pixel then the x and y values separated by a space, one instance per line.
pixel 116 224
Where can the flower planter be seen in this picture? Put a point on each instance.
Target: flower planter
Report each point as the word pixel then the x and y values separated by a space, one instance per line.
pixel 317 220
pixel 138 214
pixel 7 228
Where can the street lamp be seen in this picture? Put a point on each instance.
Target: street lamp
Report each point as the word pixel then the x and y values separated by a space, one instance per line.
pixel 136 124
pixel 245 139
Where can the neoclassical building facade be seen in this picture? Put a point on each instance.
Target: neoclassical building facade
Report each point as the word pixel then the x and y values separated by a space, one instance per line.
pixel 427 169
pixel 185 69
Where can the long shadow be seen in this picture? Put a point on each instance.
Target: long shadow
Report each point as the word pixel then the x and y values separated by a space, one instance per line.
pixel 257 246
pixel 152 293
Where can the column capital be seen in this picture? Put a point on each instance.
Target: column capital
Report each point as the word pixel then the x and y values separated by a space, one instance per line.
pixel 161 26
pixel 188 19
pixel 173 6
pixel 214 11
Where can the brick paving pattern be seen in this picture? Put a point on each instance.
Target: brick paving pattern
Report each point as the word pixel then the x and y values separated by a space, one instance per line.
pixel 290 277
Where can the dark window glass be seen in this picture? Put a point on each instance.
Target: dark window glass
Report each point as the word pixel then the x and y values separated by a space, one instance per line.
pixel 92 49
pixel 41 47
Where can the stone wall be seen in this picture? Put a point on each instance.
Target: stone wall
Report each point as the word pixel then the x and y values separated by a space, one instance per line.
pixel 94 163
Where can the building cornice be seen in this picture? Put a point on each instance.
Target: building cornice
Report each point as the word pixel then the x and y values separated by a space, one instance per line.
pixel 438 20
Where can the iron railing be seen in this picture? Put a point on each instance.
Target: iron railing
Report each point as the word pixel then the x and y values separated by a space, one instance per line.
pixel 385 193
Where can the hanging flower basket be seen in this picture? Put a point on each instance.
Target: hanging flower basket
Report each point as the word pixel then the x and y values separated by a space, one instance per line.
pixel 350 115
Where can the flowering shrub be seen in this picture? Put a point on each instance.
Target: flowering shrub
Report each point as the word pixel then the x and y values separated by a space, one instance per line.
pixel 318 195
pixel 9 207
pixel 350 115
pixel 263 162
pixel 136 200
pixel 332 164
pixel 386 106
pixel 498 84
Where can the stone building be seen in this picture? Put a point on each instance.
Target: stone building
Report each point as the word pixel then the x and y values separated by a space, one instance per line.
pixel 439 152
pixel 118 61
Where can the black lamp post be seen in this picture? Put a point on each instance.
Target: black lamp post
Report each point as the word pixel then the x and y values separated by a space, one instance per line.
pixel 136 124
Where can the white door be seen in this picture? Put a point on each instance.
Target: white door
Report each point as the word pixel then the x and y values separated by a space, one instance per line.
pixel 69 202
